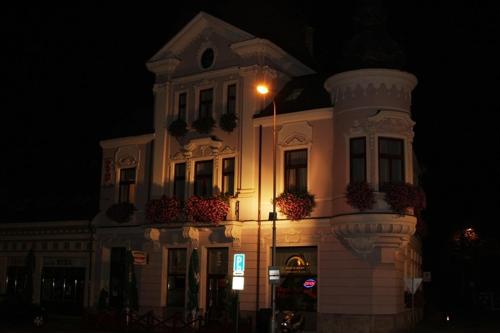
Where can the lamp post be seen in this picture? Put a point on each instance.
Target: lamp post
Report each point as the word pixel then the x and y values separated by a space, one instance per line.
pixel 264 90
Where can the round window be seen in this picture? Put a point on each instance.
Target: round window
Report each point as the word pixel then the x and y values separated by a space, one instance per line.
pixel 207 58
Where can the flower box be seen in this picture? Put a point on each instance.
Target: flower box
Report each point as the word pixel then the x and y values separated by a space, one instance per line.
pixel 120 212
pixel 163 210
pixel 228 122
pixel 295 205
pixel 405 197
pixel 360 195
pixel 204 125
pixel 206 210
pixel 178 128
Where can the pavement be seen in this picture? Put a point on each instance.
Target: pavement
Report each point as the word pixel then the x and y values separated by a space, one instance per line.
pixel 457 324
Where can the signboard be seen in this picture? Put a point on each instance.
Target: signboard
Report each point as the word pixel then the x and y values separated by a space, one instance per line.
pixel 274 274
pixel 309 283
pixel 412 285
pixel 239 264
pixel 140 257
pixel 238 282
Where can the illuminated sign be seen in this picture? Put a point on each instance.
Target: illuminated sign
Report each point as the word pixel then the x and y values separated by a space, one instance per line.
pixel 140 257
pixel 309 283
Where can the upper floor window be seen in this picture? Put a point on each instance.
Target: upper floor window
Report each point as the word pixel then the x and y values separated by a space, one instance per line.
pixel 357 151
pixel 391 161
pixel 228 176
pixel 179 180
pixel 296 170
pixel 127 185
pixel 207 58
pixel 203 178
pixel 231 99
pixel 206 103
pixel 182 106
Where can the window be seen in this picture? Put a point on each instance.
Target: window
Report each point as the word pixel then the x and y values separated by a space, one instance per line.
pixel 176 281
pixel 357 148
pixel 206 103
pixel 180 180
pixel 182 106
pixel 217 282
pixel 207 58
pixel 127 185
pixel 296 170
pixel 231 99
pixel 228 176
pixel 203 179
pixel 391 161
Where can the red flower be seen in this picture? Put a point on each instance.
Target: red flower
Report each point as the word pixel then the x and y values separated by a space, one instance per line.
pixel 162 210
pixel 295 205
pixel 208 210
pixel 403 196
pixel 360 195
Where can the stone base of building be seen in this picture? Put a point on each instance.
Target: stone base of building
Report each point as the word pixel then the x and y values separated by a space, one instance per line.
pixel 345 323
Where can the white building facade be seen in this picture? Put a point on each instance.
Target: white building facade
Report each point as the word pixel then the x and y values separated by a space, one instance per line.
pixel 355 124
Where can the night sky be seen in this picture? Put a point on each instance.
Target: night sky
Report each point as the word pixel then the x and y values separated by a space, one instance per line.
pixel 75 74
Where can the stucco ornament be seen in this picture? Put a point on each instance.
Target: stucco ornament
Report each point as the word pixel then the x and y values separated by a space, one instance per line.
pixel 293 134
pixel 362 233
pixel 192 235
pixel 232 231
pixel 127 157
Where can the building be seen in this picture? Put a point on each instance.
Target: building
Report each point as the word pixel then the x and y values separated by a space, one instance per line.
pixel 351 126
pixel 62 258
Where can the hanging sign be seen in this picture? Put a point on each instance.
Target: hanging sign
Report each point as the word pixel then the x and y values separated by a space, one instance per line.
pixel 412 285
pixel 274 274
pixel 140 257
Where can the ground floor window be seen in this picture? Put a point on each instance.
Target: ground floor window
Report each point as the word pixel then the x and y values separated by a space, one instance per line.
pixel 16 280
pixel 217 282
pixel 117 277
pixel 176 284
pixel 298 288
pixel 62 289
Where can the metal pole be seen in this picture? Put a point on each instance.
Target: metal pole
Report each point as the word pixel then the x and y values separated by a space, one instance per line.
pixel 273 313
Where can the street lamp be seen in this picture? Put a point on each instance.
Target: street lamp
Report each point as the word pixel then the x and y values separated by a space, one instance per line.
pixel 264 90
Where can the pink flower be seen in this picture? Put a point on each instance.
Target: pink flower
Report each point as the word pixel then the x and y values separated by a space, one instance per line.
pixel 295 205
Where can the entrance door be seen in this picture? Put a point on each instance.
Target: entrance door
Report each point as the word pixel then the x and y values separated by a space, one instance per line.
pixel 117 277
pixel 62 289
pixel 217 283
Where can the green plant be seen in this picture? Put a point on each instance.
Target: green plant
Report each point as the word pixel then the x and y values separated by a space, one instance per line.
pixel 204 125
pixel 178 128
pixel 295 205
pixel 228 121
pixel 120 212
pixel 360 195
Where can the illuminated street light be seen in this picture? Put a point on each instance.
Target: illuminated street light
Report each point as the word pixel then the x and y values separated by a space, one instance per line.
pixel 264 90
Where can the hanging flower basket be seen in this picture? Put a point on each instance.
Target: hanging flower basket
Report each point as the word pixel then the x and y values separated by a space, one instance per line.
pixel 207 210
pixel 404 196
pixel 228 122
pixel 120 212
pixel 178 128
pixel 163 210
pixel 360 195
pixel 204 125
pixel 295 205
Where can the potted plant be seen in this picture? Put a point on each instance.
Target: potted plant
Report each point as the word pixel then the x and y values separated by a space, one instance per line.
pixel 295 205
pixel 120 212
pixel 228 121
pixel 208 210
pixel 204 125
pixel 405 196
pixel 178 128
pixel 360 195
pixel 162 210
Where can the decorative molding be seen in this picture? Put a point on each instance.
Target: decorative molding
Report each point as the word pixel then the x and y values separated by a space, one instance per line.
pixel 295 134
pixel 127 157
pixel 232 231
pixel 227 150
pixel 362 233
pixel 127 141
pixel 192 235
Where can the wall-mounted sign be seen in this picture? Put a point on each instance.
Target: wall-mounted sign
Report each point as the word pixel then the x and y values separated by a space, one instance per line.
pixel 274 274
pixel 239 264
pixel 296 263
pixel 238 283
pixel 309 283
pixel 140 257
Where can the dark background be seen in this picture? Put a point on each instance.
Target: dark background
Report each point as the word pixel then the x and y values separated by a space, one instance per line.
pixel 75 74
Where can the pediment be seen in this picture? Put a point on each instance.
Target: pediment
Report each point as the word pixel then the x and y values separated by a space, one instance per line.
pixel 202 25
